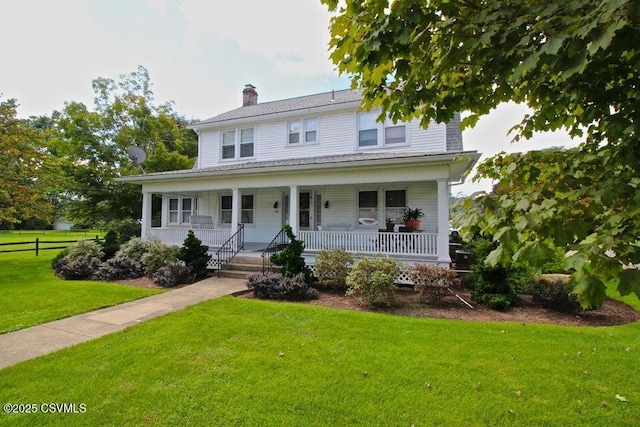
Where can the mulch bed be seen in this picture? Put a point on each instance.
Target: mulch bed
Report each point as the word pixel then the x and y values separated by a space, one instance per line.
pixel 611 313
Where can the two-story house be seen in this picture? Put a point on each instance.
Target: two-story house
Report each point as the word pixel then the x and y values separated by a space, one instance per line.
pixel 332 172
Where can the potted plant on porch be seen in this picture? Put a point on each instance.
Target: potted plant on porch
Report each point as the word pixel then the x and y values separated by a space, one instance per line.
pixel 411 218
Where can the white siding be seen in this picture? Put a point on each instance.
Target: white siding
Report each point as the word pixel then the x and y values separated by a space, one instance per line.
pixel 337 135
pixel 209 149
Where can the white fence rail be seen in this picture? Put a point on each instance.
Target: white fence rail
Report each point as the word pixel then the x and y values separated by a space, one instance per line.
pixel 372 242
pixel 176 236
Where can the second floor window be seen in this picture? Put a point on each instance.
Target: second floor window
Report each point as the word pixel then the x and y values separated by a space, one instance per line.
pixel 302 131
pixel 372 133
pixel 238 143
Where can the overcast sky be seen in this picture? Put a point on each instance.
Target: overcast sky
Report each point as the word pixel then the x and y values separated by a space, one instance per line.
pixel 199 54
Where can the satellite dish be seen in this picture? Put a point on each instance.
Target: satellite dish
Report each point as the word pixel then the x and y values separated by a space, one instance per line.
pixel 137 155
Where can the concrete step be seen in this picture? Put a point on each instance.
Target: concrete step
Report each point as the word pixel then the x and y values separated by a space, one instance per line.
pixel 234 274
pixel 248 260
pixel 235 266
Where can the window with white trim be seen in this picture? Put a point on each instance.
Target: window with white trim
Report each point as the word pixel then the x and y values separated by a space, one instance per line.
pixel 226 206
pixel 246 211
pixel 395 203
pixel 367 129
pixel 372 133
pixel 246 142
pixel 367 206
pixel 302 131
pixel 180 210
pixel 238 143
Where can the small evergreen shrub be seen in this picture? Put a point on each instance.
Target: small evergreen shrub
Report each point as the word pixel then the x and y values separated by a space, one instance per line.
pixel 432 281
pixel 110 245
pixel 195 255
pixel 496 286
pixel 134 248
pixel 84 248
pixel 277 286
pixel 372 281
pixel 332 267
pixel 553 291
pixel 290 258
pixel 173 274
pixel 157 256
pixel 119 268
pixel 80 268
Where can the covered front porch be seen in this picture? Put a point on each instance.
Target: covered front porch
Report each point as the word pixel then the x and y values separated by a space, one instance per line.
pixel 347 202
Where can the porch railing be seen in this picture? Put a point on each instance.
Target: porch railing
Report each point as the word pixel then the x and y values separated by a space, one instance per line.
pixel 230 248
pixel 277 244
pixel 374 242
pixel 176 236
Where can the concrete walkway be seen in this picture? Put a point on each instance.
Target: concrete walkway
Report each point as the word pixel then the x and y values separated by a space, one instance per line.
pixel 38 340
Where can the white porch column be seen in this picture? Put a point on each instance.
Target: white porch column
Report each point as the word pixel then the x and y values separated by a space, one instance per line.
pixel 235 209
pixel 443 221
pixel 293 208
pixel 146 214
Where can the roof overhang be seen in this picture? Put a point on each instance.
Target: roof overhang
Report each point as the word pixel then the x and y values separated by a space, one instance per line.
pixel 458 164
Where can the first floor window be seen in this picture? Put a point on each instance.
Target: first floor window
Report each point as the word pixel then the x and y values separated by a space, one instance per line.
pixel 395 202
pixel 173 210
pixel 367 206
pixel 246 214
pixel 246 209
pixel 226 206
pixel 180 210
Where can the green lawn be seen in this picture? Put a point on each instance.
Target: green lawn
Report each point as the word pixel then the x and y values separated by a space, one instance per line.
pixel 31 294
pixel 234 361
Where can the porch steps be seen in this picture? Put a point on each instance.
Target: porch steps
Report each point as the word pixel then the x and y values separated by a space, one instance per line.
pixel 242 266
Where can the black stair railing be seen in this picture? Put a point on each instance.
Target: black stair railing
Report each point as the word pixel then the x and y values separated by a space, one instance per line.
pixel 230 248
pixel 277 245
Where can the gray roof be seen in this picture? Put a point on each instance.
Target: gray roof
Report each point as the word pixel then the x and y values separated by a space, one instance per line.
pixel 454 134
pixel 336 160
pixel 300 103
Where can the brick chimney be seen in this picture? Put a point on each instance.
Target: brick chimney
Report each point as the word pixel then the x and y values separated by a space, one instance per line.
pixel 249 95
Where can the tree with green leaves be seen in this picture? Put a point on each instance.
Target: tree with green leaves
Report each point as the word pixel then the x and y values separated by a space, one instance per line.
pixel 576 64
pixel 28 170
pixel 94 144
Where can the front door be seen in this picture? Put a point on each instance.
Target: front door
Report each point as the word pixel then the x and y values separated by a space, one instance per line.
pixel 305 210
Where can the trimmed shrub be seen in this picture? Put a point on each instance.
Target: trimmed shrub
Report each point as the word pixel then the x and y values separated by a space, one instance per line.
pixel 432 281
pixel 80 268
pixel 118 268
pixel 332 267
pixel 57 261
pixel 110 245
pixel 157 256
pixel 277 286
pixel 195 255
pixel 372 281
pixel 553 291
pixel 173 274
pixel 84 248
pixel 290 258
pixel 134 248
pixel 496 286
